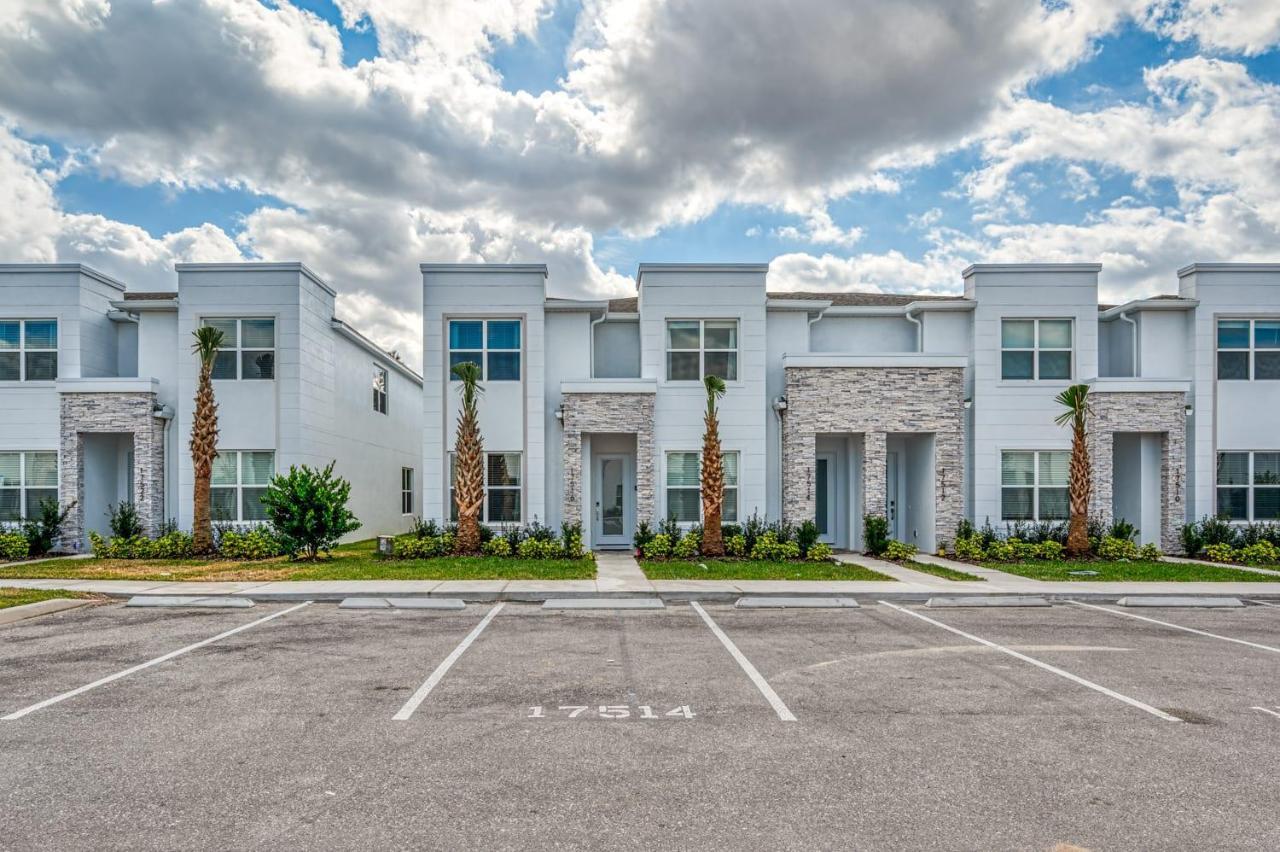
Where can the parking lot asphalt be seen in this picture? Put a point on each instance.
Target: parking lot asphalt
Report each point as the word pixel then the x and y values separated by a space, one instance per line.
pixel 523 728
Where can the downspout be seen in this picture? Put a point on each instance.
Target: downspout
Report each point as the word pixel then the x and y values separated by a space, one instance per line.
pixel 919 328
pixel 166 413
pixel 591 356
pixel 1124 315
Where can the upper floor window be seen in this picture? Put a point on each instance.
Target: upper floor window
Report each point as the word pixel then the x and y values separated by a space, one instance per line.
pixel 248 348
pixel 684 487
pixel 1249 486
pixel 240 478
pixel 502 477
pixel 697 348
pixel 28 350
pixel 1035 349
pixel 379 390
pixel 406 491
pixel 27 479
pixel 494 345
pixel 1249 349
pixel 1033 485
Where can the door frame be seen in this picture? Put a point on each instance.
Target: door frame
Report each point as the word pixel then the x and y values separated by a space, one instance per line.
pixel 833 513
pixel 892 497
pixel 598 538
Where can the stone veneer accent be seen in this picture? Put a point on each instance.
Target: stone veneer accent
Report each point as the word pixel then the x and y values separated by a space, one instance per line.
pixel 119 413
pixel 874 401
pixel 1160 412
pixel 612 413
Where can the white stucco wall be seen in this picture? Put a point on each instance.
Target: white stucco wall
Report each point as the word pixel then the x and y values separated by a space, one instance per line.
pixel 617 350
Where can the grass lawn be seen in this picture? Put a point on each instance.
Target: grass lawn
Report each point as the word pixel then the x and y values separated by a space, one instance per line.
pixel 18 597
pixel 941 571
pixel 746 569
pixel 1137 571
pixel 355 561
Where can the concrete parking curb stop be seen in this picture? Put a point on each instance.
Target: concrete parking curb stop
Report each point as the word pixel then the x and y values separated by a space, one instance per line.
pixel 9 615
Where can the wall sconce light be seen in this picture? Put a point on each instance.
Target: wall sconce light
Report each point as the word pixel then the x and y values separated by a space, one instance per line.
pixel 560 412
pixel 780 404
pixel 1190 410
pixel 968 403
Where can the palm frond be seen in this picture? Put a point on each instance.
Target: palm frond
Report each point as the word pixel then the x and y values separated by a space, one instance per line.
pixel 208 342
pixel 1075 400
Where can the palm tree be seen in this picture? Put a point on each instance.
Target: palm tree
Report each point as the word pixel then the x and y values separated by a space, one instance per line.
pixel 712 472
pixel 1076 401
pixel 468 476
pixel 204 436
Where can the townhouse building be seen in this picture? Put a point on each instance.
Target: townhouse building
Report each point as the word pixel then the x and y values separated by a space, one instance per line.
pixel 926 409
pixel 97 384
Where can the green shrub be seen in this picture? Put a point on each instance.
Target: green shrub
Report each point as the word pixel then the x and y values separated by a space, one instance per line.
pixel 539 548
pixel 124 521
pixel 413 547
pixel 658 547
pixel 1117 548
pixel 172 545
pixel 308 509
pixel 807 536
pixel 1220 553
pixel 899 551
pixel 970 549
pixel 254 543
pixel 1192 541
pixel 1122 529
pixel 736 545
pixel 688 547
pixel 571 540
pixel 1150 553
pixel 1259 553
pixel 769 548
pixel 875 533
pixel 819 551
pixel 13 546
pixel 497 546
pixel 1024 550
pixel 1051 550
pixel 1001 551
pixel 43 531
pixel 643 535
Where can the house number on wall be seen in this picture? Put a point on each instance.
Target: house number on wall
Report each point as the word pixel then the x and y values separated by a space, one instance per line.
pixel 608 711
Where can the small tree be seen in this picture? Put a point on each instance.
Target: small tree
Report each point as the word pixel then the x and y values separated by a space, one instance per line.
pixel 204 437
pixel 468 451
pixel 308 510
pixel 712 471
pixel 1079 485
pixel 43 531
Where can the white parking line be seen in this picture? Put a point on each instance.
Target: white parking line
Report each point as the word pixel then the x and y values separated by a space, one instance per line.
pixel 1264 603
pixel 1133 702
pixel 441 670
pixel 761 684
pixel 1178 627
pixel 1265 710
pixel 148 664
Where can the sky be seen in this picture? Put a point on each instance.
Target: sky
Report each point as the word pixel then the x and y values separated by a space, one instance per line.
pixel 875 145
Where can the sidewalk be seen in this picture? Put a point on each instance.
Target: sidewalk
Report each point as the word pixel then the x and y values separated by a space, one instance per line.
pixel 619 576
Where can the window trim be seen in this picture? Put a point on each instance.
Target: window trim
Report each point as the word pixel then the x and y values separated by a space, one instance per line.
pixel 451 507
pixel 1250 487
pixel 702 349
pixel 1035 483
pixel 1251 351
pixel 484 349
pixel 383 395
pixel 1036 348
pixel 239 348
pixel 667 489
pixel 23 349
pixel 22 488
pixel 240 486
pixel 406 490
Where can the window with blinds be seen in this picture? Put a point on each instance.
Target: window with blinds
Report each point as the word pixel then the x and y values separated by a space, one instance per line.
pixel 1033 485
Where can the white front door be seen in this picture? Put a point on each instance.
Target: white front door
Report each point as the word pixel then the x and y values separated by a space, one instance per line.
pixel 824 496
pixel 611 510
pixel 891 495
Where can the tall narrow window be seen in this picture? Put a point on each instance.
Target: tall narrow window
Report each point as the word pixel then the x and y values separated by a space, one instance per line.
pixel 493 345
pixel 27 479
pixel 248 349
pixel 406 491
pixel 502 488
pixel 1035 349
pixel 684 487
pixel 1033 485
pixel 697 348
pixel 1249 350
pixel 379 389
pixel 240 478
pixel 28 350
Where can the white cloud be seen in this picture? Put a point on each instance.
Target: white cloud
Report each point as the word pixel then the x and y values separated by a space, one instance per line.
pixel 819 229
pixel 1244 26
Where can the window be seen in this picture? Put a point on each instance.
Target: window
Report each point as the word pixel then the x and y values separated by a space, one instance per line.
pixel 1035 349
pixel 501 488
pixel 379 390
pixel 27 478
pixel 684 491
pixel 1249 486
pixel 28 350
pixel 248 348
pixel 492 344
pixel 697 348
pixel 406 491
pixel 1033 485
pixel 1249 349
pixel 240 478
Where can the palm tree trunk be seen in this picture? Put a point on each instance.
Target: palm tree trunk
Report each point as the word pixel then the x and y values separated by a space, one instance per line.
pixel 468 487
pixel 204 449
pixel 1079 489
pixel 712 488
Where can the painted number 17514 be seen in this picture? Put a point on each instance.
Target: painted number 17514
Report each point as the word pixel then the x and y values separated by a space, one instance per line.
pixel 608 711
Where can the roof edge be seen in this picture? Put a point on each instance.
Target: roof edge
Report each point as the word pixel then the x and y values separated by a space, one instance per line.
pixel 642 268
pixel 351 333
pixel 1192 268
pixel 81 268
pixel 259 266
pixel 1030 267
pixel 483 267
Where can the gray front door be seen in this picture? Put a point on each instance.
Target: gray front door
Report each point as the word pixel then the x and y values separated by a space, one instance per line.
pixel 613 498
pixel 824 496
pixel 891 495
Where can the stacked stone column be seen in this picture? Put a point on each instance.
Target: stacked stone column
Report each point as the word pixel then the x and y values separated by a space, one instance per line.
pixel 609 413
